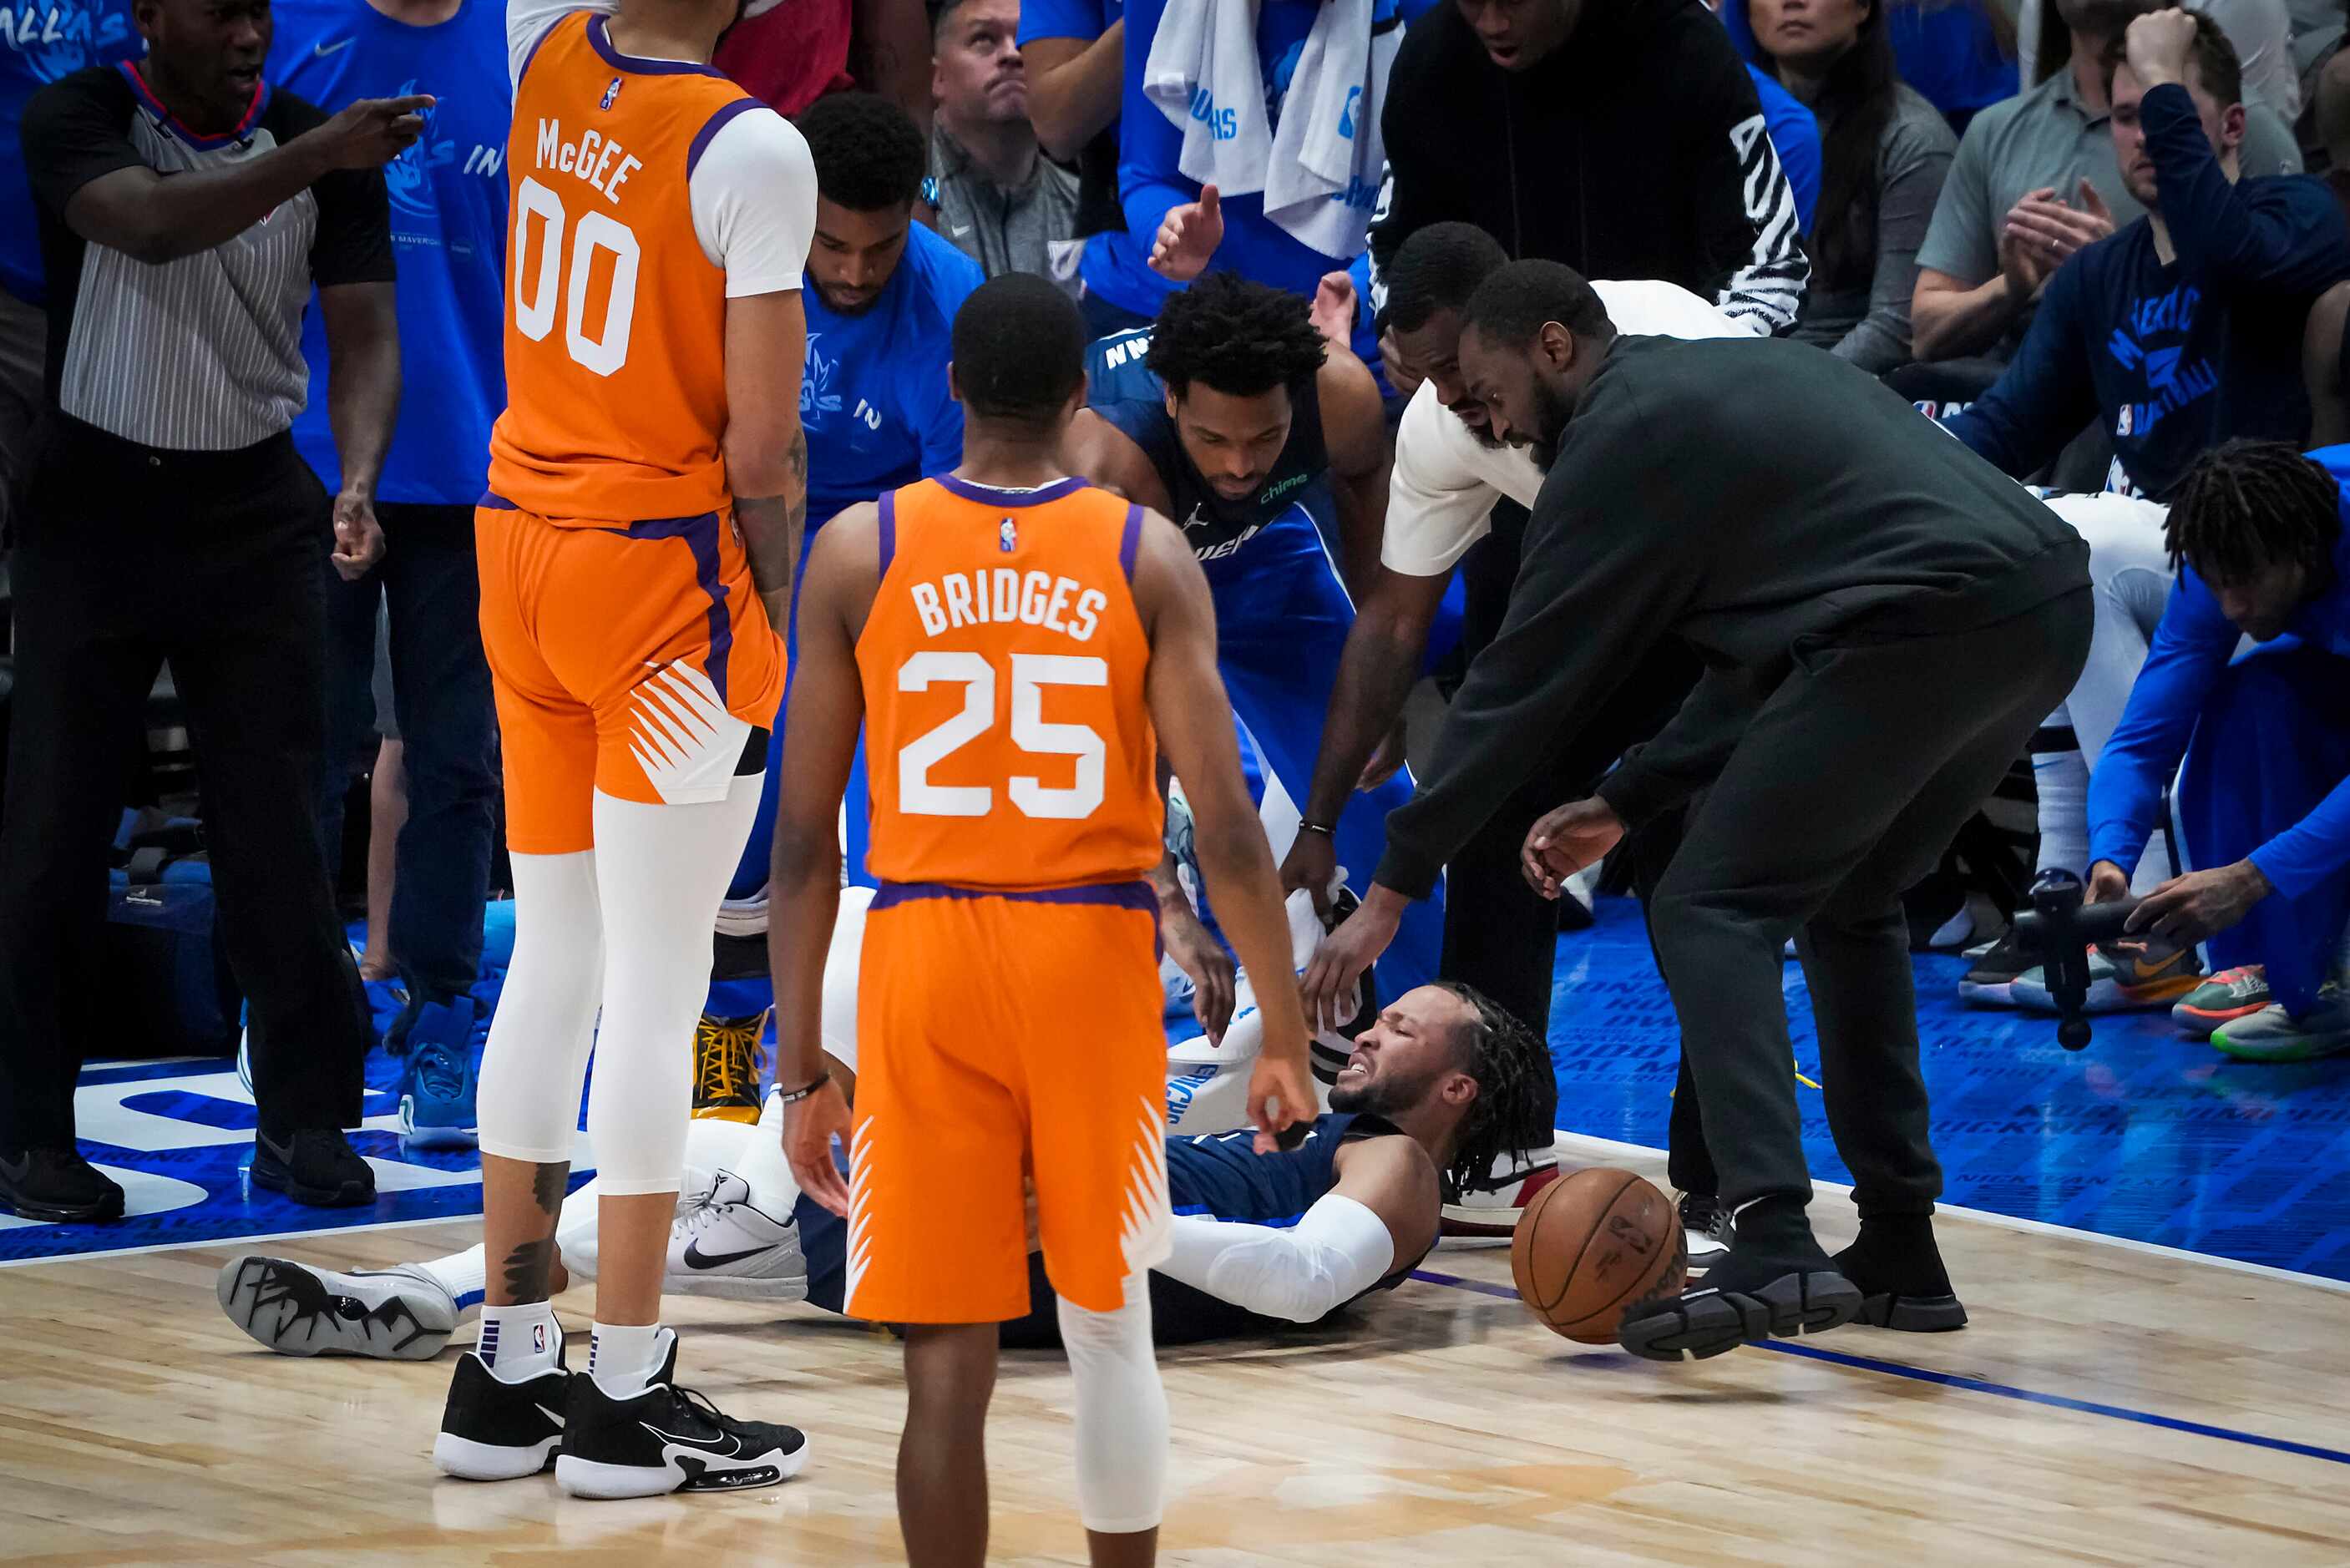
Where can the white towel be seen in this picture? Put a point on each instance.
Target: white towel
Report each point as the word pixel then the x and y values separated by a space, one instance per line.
pixel 1324 179
pixel 1203 75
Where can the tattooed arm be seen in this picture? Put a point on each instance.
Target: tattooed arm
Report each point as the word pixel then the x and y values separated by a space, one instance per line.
pixel 766 448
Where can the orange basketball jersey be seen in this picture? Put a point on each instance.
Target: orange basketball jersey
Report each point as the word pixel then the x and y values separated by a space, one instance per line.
pixel 1005 722
pixel 616 319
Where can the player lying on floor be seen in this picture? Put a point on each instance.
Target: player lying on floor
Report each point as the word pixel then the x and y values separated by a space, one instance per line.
pixel 1443 1084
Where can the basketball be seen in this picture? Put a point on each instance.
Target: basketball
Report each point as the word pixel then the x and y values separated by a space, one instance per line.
pixel 1591 1245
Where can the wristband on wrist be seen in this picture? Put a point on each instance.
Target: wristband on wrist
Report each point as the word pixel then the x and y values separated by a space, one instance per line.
pixel 801 1093
pixel 1324 828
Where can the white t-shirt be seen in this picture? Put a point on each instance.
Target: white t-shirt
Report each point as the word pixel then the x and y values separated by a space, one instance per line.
pixel 1446 480
pixel 753 189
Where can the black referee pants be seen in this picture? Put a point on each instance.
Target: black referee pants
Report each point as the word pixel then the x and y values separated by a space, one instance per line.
pixel 128 556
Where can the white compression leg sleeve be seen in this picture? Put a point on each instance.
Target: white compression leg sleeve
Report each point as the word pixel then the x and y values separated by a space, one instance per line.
pixel 1121 1414
pixel 528 1102
pixel 662 870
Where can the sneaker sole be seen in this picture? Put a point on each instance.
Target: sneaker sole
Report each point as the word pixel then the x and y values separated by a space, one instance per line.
pixel 2197 1022
pixel 1989 993
pixel 721 1287
pixel 2107 997
pixel 469 1460
pixel 248 1287
pixel 2299 1048
pixel 104 1211
pixel 1677 1328
pixel 679 1472
pixel 432 1139
pixel 1913 1314
pixel 747 1116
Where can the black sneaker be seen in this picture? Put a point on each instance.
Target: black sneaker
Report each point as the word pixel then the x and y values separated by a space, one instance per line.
pixel 1742 1302
pixel 668 1439
pixel 1705 1231
pixel 1996 971
pixel 59 1186
pixel 502 1431
pixel 316 1166
pixel 1898 1271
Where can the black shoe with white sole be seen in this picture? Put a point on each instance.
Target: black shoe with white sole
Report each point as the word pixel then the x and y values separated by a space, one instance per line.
pixel 316 1166
pixel 1742 1302
pixel 389 1315
pixel 493 1430
pixel 668 1439
pixel 1705 1231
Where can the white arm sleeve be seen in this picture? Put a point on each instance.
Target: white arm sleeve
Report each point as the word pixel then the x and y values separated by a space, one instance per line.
pixel 528 20
pixel 839 1027
pixel 1336 1252
pixel 753 198
pixel 1437 506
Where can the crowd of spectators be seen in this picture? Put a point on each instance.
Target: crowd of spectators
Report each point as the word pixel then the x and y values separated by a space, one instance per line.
pixel 2078 232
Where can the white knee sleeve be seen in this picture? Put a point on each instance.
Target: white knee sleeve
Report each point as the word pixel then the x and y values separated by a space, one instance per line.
pixel 662 870
pixel 528 1102
pixel 1121 1414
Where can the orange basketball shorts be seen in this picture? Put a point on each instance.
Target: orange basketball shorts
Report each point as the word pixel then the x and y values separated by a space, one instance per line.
pixel 1003 1035
pixel 632 659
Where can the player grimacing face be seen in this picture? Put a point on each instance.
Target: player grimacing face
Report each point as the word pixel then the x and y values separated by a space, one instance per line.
pixel 1409 1055
pixel 1232 440
pixel 856 254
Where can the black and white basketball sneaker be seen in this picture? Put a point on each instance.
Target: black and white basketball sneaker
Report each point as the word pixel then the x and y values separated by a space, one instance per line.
pixel 390 1314
pixel 493 1430
pixel 668 1439
pixel 1705 1231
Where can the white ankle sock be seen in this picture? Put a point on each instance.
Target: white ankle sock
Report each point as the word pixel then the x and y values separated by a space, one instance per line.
pixel 520 1341
pixel 623 1358
pixel 462 1275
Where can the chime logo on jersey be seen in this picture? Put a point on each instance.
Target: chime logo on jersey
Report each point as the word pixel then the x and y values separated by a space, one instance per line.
pixel 1007 537
pixel 611 95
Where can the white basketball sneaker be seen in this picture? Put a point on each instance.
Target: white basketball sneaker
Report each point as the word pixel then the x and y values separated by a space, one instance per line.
pixel 726 1247
pixel 1489 1207
pixel 388 1315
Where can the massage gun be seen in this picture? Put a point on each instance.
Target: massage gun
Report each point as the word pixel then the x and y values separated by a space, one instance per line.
pixel 2059 930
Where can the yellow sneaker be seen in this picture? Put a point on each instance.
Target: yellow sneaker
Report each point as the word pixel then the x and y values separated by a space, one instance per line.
pixel 728 1060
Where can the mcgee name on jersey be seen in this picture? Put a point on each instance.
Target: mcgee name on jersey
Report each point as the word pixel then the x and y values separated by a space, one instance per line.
pixel 1036 598
pixel 601 162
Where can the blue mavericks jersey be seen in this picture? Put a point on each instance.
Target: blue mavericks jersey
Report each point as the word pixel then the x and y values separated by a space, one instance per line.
pixel 1122 389
pixel 40 41
pixel 448 231
pixel 873 395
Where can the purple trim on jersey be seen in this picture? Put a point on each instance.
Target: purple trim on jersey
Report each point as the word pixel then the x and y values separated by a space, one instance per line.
pixel 241 132
pixel 1115 894
pixel 598 34
pixel 1129 541
pixel 889 531
pixel 496 503
pixel 700 536
pixel 990 496
pixel 718 122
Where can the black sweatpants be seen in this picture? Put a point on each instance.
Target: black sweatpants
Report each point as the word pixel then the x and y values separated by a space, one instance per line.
pixel 1843 790
pixel 128 556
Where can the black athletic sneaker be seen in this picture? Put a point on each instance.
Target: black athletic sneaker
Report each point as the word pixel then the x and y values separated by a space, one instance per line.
pixel 1743 1301
pixel 1705 1231
pixel 316 1166
pixel 59 1186
pixel 1898 1271
pixel 502 1431
pixel 668 1439
pixel 1994 973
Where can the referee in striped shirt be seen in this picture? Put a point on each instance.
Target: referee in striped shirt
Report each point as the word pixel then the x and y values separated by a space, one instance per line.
pixel 185 211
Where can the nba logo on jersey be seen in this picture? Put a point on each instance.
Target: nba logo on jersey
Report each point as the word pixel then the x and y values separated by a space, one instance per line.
pixel 1007 538
pixel 538 1339
pixel 611 94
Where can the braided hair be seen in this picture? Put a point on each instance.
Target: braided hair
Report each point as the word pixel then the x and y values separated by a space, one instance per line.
pixel 1516 1092
pixel 2247 504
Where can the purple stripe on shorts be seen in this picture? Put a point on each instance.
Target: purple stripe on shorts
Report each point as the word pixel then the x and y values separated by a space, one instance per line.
pixel 700 536
pixel 1115 894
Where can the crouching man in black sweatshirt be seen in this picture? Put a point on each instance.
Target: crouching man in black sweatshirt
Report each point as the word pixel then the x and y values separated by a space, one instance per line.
pixel 1884 619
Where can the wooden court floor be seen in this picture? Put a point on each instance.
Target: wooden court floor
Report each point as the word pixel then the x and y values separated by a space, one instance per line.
pixel 2108 1406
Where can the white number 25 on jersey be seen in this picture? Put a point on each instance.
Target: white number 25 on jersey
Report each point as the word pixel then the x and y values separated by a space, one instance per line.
pixel 1031 673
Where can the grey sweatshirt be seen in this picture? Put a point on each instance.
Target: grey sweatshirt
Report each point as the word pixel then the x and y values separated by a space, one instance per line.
pixel 1870 327
pixel 1759 501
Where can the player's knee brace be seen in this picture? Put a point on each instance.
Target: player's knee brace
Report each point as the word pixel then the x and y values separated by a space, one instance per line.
pixel 1121 1414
